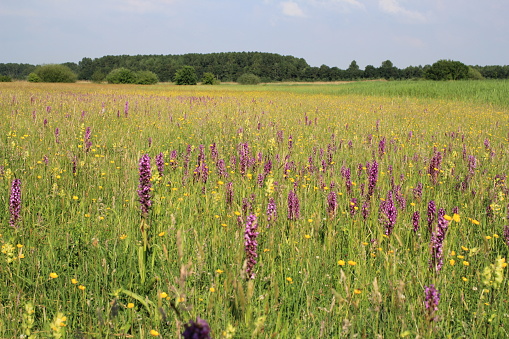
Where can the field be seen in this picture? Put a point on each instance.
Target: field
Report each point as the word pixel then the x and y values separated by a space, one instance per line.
pixel 370 210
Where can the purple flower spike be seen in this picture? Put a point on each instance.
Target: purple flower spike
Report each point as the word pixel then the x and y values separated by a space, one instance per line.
pixel 145 185
pixel 15 202
pixel 332 204
pixel 437 242
pixel 198 329
pixel 293 206
pixel 431 301
pixel 250 245
pixel 271 211
pixel 160 163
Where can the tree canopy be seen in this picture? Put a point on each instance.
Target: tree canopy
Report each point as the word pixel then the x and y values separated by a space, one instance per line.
pixel 228 67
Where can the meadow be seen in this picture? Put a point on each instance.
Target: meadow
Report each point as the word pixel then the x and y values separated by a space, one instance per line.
pixel 268 211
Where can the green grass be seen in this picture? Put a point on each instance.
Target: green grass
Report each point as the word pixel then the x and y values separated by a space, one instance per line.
pixel 323 275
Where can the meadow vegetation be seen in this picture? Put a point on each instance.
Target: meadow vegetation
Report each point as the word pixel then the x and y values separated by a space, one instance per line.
pixel 360 210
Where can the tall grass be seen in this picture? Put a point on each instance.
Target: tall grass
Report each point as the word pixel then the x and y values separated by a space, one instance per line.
pixel 82 261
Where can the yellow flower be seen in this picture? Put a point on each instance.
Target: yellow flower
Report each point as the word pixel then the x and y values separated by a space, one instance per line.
pixel 452 262
pixel 53 275
pixel 162 234
pixel 74 281
pixel 130 305
pixel 447 217
pixel 456 217
pixel 307 236
pixel 219 271
pixel 357 291
pixel 290 280
pixel 212 289
pixel 123 236
pixel 74 197
pixel 475 222
pixel 466 263
pixel 81 287
pixel 488 237
pixel 341 263
pixel 464 279
pixel 154 333
pixel 352 263
pixel 464 248
pixel 453 253
pixel 163 295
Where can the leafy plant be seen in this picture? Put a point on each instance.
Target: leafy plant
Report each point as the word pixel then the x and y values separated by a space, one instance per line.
pixel 186 76
pixel 249 79
pixel 55 73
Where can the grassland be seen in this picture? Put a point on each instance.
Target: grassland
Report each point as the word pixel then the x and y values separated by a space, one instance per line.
pixel 79 259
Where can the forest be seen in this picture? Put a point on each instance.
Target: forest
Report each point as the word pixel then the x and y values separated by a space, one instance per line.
pixel 229 66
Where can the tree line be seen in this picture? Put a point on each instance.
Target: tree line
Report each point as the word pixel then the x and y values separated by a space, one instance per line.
pixel 269 67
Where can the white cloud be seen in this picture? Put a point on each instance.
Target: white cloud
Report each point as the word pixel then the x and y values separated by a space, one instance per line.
pixel 392 7
pixel 291 8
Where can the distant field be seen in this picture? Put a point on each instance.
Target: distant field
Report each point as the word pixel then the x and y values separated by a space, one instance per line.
pixel 381 210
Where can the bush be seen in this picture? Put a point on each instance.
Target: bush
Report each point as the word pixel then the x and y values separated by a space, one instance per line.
pixel 32 77
pixel 474 74
pixel 98 76
pixel 209 79
pixel 146 78
pixel 55 73
pixel 249 79
pixel 5 78
pixel 186 76
pixel 121 76
pixel 447 70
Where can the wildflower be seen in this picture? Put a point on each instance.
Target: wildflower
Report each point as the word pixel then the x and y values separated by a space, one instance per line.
pixel 212 289
pixel 219 271
pixel 437 240
pixel 198 329
pixel 432 298
pixel 341 262
pixel 145 185
pixel 332 204
pixel 456 217
pixel 53 275
pixel 81 287
pixel 415 220
pixel 389 213
pixel 352 263
pixel 160 163
pixel 357 291
pixel 15 203
pixel 130 305
pixel 163 295
pixel 271 211
pixel 373 177
pixel 154 333
pixel 88 143
pixel 293 206
pixel 290 280
pixel 250 245
pixel 466 263
pixel 229 193
pixel 431 214
pixel 74 281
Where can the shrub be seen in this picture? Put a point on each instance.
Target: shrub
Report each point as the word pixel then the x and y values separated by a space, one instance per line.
pixel 55 73
pixel 447 70
pixel 5 78
pixel 474 74
pixel 121 76
pixel 146 78
pixel 98 76
pixel 249 79
pixel 186 76
pixel 209 79
pixel 33 77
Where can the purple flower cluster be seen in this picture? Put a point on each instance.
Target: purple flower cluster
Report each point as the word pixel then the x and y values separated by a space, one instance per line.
pixel 250 245
pixel 389 213
pixel 86 139
pixel 416 217
pixel 332 204
pixel 229 193
pixel 434 167
pixel 353 206
pixel 293 206
pixel 432 210
pixel 418 191
pixel 198 329
pixel 437 242
pixel 271 211
pixel 221 168
pixel 372 178
pixel 431 301
pixel 160 163
pixel 145 185
pixel 15 202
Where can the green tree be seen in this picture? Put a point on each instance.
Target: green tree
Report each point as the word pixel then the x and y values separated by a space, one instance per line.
pixel 447 70
pixel 55 73
pixel 5 78
pixel 209 79
pixel 121 76
pixel 353 71
pixel 32 77
pixel 146 78
pixel 186 76
pixel 249 79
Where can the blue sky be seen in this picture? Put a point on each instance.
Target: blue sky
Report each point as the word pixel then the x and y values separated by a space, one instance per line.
pixel 330 32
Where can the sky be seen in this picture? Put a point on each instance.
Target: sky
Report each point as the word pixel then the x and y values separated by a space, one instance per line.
pixel 323 32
